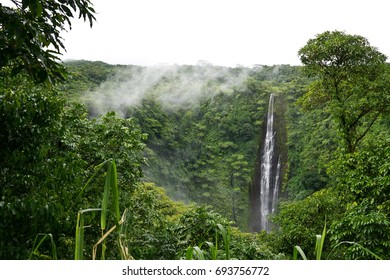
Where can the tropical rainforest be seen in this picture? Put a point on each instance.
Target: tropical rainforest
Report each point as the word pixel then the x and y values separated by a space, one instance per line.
pixel 103 161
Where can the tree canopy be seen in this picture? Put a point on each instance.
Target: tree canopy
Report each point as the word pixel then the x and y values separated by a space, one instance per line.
pixel 353 82
pixel 30 35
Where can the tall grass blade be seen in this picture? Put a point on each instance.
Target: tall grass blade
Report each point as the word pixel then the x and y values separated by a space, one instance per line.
pixel 298 249
pixel 318 244
pixel 104 248
pixel 226 240
pixel 123 249
pixel 97 169
pixel 323 238
pixel 213 250
pixel 79 247
pixel 110 187
pixel 199 253
pixel 35 249
pixel 106 194
pixel 101 241
pixel 115 193
pixel 190 253
pixel 320 239
pixel 361 247
pixel 53 247
pixel 295 254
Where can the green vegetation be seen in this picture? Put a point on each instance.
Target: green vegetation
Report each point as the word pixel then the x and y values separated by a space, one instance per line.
pixel 352 83
pixel 30 36
pixel 168 174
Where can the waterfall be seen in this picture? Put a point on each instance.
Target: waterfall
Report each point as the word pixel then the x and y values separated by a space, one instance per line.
pixel 270 171
pixel 275 195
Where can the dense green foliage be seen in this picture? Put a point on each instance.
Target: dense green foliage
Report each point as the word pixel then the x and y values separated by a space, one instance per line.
pixel 352 85
pixel 183 145
pixel 351 92
pixel 204 154
pixel 364 179
pixel 48 153
pixel 30 35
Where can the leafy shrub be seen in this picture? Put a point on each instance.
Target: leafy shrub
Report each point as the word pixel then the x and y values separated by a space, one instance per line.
pixel 299 221
pixel 150 222
pixel 250 246
pixel 364 180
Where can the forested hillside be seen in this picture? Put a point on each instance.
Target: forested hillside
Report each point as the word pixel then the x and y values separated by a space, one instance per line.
pixel 203 125
pixel 123 161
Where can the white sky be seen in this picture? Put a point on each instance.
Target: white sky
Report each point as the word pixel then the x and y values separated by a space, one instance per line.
pixel 223 32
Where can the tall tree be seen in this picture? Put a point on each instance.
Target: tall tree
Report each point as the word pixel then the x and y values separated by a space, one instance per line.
pixel 30 35
pixel 353 82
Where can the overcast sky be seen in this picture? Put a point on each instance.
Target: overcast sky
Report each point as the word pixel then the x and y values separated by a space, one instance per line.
pixel 222 32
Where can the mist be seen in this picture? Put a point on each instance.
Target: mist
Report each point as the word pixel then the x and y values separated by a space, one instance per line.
pixel 176 87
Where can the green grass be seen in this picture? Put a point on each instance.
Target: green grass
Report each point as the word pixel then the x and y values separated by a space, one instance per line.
pixel 109 211
pixel 195 252
pixel 320 239
pixel 37 244
pixel 360 246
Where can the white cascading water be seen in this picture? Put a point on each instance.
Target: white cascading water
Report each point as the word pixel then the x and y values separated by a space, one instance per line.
pixel 275 195
pixel 269 182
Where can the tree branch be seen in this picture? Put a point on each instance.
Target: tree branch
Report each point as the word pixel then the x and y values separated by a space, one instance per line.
pixel 368 127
